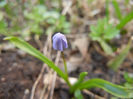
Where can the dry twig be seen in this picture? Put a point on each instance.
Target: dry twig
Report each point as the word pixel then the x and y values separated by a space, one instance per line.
pixel 40 75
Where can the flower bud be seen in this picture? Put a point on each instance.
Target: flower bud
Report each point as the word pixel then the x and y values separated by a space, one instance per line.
pixel 59 42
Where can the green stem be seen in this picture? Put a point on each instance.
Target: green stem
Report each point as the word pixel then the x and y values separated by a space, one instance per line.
pixel 65 66
pixel 107 49
pixel 117 9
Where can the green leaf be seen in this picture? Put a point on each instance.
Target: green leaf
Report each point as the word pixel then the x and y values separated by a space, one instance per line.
pixel 107 49
pixel 127 2
pixel 36 14
pixel 125 20
pixel 117 61
pixel 128 78
pixel 103 30
pixel 42 1
pixel 100 25
pixel 117 9
pixel 78 94
pixel 80 80
pixel 110 32
pixel 1 15
pixel 111 88
pixel 107 9
pixel 3 27
pixel 34 52
pixel 61 21
pixel 95 35
pixel 50 29
pixel 62 24
pixel 128 85
pixel 36 28
pixel 51 14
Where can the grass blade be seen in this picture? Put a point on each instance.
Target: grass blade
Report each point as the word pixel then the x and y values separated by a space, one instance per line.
pixel 78 94
pixel 107 9
pixel 80 80
pixel 117 61
pixel 117 9
pixel 113 89
pixel 125 20
pixel 107 49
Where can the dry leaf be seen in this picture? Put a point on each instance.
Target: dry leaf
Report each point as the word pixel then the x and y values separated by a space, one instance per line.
pixel 72 64
pixel 82 44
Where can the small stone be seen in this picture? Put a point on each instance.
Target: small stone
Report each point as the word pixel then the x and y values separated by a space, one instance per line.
pixel 26 91
pixel 3 79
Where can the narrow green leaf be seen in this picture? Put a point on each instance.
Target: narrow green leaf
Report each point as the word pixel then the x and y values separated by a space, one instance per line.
pixel 125 20
pixel 117 61
pixel 107 49
pixel 34 52
pixel 110 32
pixel 103 30
pixel 107 9
pixel 117 9
pixel 42 1
pixel 80 80
pixel 128 78
pixel 127 2
pixel 78 94
pixel 111 88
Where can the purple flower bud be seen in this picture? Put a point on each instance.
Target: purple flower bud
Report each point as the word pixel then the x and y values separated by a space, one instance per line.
pixel 59 42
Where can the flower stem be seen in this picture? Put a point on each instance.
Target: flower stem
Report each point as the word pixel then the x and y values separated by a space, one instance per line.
pixel 65 66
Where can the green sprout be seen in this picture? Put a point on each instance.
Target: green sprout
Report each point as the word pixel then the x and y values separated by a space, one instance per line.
pixel 123 20
pixel 102 33
pixel 116 62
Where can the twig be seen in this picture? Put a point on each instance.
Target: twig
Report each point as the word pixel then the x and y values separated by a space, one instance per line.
pixel 93 95
pixel 40 75
pixel 37 81
pixel 49 73
pixel 54 76
pixel 42 93
pixel 66 8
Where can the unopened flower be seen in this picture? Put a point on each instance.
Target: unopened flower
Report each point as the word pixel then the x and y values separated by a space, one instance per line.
pixel 59 42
